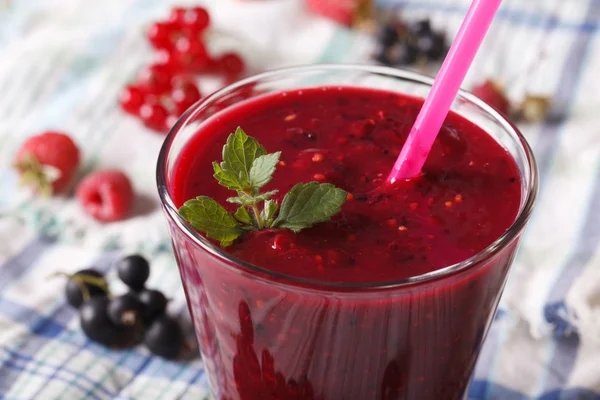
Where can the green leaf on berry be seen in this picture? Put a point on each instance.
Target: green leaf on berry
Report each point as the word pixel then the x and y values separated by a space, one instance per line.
pixel 208 216
pixel 246 200
pixel 309 203
pixel 36 175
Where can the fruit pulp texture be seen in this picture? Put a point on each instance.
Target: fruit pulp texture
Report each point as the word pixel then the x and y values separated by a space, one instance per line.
pixel 264 338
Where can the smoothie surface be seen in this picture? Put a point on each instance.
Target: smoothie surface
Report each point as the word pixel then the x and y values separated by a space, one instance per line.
pixel 467 197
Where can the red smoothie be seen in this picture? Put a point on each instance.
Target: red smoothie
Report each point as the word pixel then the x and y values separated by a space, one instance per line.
pixel 312 329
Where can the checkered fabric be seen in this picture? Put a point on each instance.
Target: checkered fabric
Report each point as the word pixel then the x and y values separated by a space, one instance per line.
pixel 62 63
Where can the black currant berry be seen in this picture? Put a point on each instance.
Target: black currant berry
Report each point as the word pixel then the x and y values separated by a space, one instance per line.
pixel 433 46
pixel 88 280
pixel 96 324
pixel 421 28
pixel 387 35
pixel 155 304
pixel 133 271
pixel 404 53
pixel 125 310
pixel 164 337
pixel 382 56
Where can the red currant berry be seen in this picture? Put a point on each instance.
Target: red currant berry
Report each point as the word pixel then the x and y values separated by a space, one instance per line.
pixel 184 95
pixel 232 65
pixel 177 16
pixel 197 19
pixel 168 59
pixel 154 116
pixel 194 19
pixel 156 79
pixel 160 35
pixel 131 99
pixel 191 55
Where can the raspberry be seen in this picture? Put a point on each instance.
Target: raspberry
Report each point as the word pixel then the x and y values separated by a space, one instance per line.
pixel 106 195
pixel 339 11
pixel 47 162
pixel 490 92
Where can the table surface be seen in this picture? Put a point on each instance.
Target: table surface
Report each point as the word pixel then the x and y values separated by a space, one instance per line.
pixel 62 65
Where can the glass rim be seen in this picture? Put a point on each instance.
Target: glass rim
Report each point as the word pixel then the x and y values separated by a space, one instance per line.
pixel 243 266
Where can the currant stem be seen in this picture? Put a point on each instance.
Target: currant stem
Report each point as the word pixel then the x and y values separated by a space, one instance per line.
pixel 82 280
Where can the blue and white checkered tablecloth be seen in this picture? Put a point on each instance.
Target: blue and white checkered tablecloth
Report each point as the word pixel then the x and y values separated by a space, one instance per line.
pixel 62 63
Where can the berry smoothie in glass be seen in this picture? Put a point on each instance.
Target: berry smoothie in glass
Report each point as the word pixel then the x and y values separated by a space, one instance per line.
pixel 322 281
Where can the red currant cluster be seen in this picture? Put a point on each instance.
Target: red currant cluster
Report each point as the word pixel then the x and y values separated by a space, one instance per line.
pixel 167 87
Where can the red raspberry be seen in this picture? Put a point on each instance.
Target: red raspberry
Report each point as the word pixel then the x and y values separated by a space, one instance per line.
pixel 106 195
pixel 337 10
pixel 47 162
pixel 490 92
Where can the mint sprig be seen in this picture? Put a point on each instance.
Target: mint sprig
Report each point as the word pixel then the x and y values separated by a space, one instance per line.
pixel 246 168
pixel 309 203
pixel 210 217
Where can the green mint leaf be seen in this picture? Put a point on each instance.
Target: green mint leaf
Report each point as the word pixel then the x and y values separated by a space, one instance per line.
pixel 309 203
pixel 208 216
pixel 262 170
pixel 242 215
pixel 252 200
pixel 225 178
pixel 239 154
pixel 269 210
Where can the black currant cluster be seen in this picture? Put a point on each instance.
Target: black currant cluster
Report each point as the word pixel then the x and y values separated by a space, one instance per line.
pixel 127 320
pixel 401 44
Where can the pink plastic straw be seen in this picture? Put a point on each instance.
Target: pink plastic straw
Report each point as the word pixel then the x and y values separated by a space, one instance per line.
pixel 444 90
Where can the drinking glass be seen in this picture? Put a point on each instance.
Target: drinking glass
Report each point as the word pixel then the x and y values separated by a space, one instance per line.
pixel 267 336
